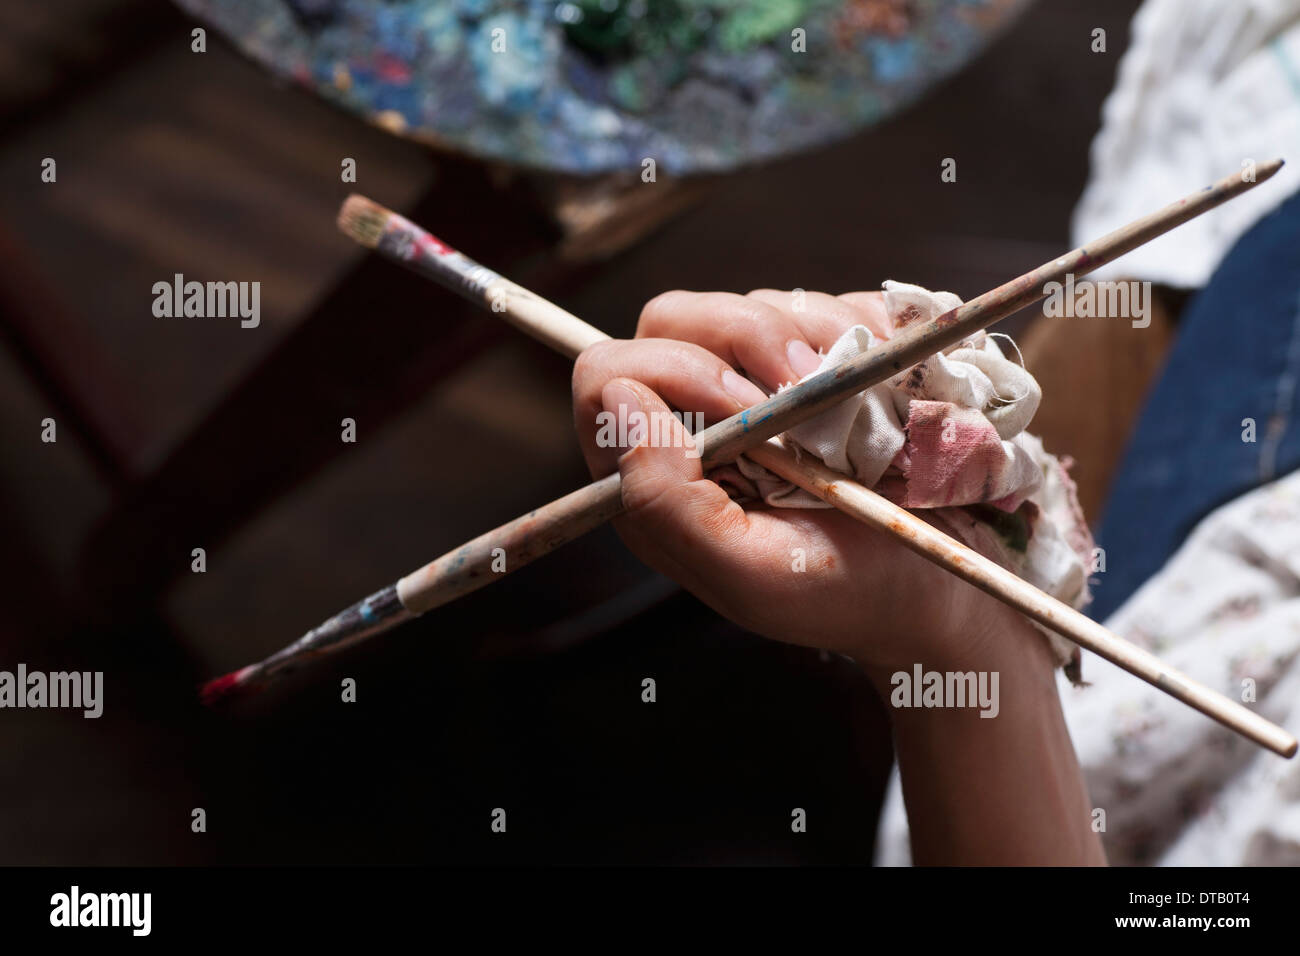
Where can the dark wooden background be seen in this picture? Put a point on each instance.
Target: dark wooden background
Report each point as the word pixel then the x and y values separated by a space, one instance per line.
pixel 175 435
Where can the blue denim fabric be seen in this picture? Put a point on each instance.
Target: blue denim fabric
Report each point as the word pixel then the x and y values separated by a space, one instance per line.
pixel 1236 357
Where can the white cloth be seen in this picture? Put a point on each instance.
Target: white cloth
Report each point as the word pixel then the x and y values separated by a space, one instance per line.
pixel 1204 85
pixel 946 434
pixel 1177 788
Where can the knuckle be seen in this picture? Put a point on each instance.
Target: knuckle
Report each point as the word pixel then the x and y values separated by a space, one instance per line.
pixel 657 312
pixel 725 525
pixel 594 365
pixel 687 507
pixel 862 299
pixel 749 317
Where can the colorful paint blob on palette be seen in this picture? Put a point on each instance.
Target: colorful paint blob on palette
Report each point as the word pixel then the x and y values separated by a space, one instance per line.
pixel 587 86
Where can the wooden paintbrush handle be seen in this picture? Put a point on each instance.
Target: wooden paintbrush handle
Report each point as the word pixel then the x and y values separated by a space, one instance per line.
pixel 503 550
pixel 570 335
pixel 493 555
pixel 543 320
pixel 969 565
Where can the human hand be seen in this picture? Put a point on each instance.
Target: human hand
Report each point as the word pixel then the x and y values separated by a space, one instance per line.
pixel 859 592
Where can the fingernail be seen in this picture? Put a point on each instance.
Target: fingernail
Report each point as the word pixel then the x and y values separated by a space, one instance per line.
pixel 742 389
pixel 619 399
pixel 625 407
pixel 802 358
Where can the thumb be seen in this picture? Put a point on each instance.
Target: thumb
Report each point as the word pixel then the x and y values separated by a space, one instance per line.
pixel 672 510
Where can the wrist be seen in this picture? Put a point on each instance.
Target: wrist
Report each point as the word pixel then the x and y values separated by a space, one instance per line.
pixel 997 639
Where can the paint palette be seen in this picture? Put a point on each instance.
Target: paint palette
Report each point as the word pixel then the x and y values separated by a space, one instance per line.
pixel 591 86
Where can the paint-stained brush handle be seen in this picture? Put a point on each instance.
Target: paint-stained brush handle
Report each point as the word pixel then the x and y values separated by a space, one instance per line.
pixel 993 579
pixel 552 525
pixel 419 250
pixel 570 335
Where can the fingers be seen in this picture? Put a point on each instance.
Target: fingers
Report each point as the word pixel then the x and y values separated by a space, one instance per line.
pixel 871 306
pixel 688 377
pixel 676 520
pixel 824 318
pixel 773 335
pixel 743 331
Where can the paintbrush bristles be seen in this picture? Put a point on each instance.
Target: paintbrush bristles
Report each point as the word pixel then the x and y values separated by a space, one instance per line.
pixel 363 221
pixel 376 613
pixel 227 685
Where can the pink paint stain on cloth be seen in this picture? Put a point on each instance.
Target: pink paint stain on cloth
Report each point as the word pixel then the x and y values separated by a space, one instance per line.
pixel 948 436
pixel 954 456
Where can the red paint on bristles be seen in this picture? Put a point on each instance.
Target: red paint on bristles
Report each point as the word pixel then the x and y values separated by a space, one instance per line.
pixel 225 686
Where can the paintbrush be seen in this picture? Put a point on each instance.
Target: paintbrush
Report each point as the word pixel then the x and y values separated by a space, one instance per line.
pixel 368 222
pixel 542 530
